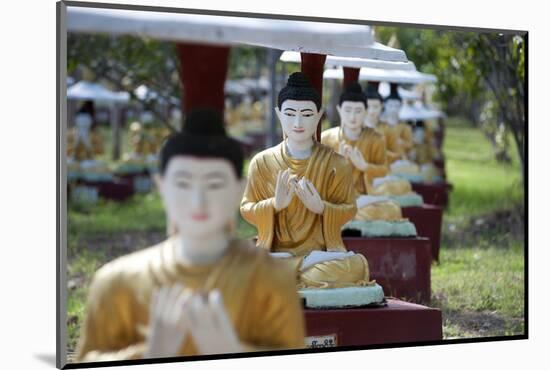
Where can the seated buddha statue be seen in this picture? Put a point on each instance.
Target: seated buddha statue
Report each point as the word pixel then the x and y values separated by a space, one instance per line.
pixel 424 152
pixel 144 147
pixel 83 145
pixel 365 150
pixel 388 184
pixel 202 291
pixel 299 195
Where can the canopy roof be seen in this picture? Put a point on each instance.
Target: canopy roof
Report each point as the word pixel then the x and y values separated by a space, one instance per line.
pixel 85 90
pixel 384 75
pixel 302 36
pixel 337 61
pixel 417 112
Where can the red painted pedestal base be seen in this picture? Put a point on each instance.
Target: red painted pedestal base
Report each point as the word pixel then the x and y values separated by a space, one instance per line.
pixel 114 190
pixel 436 194
pixel 401 266
pixel 398 322
pixel 427 220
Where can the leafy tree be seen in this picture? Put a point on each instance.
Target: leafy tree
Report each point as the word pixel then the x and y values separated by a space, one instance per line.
pixel 481 76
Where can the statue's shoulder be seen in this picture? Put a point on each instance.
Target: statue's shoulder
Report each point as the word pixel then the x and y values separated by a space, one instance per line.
pixel 122 272
pixel 269 272
pixel 334 158
pixel 372 133
pixel 266 154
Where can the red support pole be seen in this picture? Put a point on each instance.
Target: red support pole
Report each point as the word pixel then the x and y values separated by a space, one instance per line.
pixel 203 70
pixel 313 65
pixel 350 75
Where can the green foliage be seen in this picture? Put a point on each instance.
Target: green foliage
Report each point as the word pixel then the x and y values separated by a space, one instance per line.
pixel 480 182
pixel 475 71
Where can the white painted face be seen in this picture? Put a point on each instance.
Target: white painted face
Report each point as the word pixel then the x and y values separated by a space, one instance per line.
pixel 391 109
pixel 299 119
pixel 200 195
pixel 352 114
pixel 374 108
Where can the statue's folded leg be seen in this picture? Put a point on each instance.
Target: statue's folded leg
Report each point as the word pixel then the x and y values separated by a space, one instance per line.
pixel 387 211
pixel 337 273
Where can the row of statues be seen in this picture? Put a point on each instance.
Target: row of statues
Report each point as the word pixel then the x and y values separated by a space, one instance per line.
pixel 85 145
pixel 202 291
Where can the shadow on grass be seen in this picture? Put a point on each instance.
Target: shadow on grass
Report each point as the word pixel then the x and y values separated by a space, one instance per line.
pixel 501 228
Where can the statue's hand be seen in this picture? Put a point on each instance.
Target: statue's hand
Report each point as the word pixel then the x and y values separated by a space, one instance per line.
pixel 284 190
pixel 211 327
pixel 356 157
pixel 309 196
pixel 167 321
pixel 344 149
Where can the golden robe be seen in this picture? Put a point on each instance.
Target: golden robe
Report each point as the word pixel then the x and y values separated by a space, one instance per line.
pixel 79 150
pixel 260 299
pixel 405 135
pixel 372 146
pixel 394 151
pixel 296 229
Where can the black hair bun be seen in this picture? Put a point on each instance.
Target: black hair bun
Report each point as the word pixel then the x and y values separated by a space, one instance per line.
pixel 354 88
pixel 298 79
pixel 204 122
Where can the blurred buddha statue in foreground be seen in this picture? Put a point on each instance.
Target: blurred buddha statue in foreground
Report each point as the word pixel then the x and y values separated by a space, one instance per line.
pixel 365 149
pixel 83 145
pixel 201 291
pixel 299 195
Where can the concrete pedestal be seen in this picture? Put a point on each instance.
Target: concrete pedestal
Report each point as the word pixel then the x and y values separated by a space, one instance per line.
pixel 401 266
pixel 428 221
pixel 398 322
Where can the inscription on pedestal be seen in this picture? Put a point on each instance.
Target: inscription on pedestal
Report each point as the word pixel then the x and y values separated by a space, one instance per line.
pixel 322 341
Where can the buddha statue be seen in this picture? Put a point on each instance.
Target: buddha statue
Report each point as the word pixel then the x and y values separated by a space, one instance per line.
pixel 397 188
pixel 299 195
pixel 83 145
pixel 144 147
pixel 365 150
pixel 424 152
pixel 201 291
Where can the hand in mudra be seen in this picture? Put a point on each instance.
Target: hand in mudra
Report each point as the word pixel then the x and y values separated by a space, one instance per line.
pixel 356 157
pixel 168 327
pixel 177 314
pixel 344 149
pixel 309 196
pixel 284 189
pixel 210 325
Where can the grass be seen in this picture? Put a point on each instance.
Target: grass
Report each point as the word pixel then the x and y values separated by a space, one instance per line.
pixel 478 283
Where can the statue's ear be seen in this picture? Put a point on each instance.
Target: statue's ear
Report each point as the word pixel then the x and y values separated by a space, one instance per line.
pixel 278 113
pixel 321 111
pixel 159 183
pixel 338 109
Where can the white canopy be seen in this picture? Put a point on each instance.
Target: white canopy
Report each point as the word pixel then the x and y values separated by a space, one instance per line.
pixel 417 112
pixel 335 61
pixel 85 90
pixel 384 90
pixel 384 75
pixel 303 36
